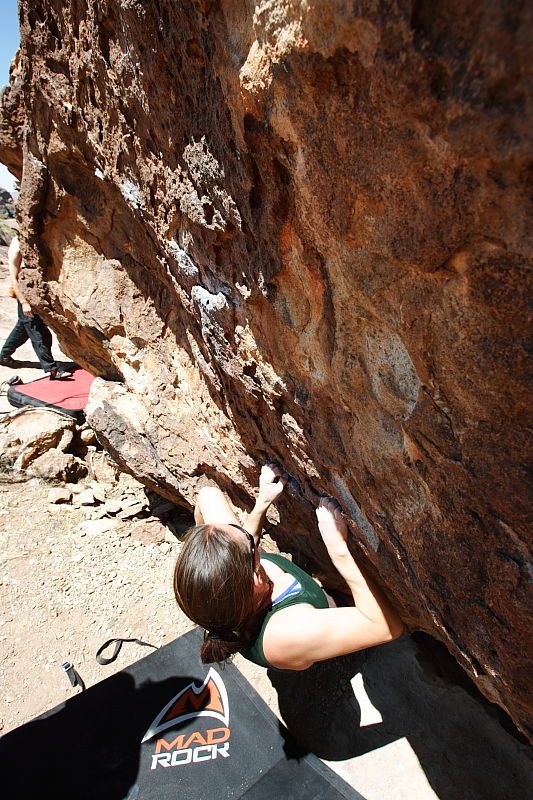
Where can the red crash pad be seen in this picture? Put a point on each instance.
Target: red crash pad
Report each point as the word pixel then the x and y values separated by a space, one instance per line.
pixel 69 395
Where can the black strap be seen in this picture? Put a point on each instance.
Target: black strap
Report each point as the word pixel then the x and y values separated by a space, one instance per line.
pixel 118 646
pixel 73 675
pixel 79 680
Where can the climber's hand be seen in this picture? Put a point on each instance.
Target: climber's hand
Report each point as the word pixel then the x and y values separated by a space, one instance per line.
pixel 332 526
pixel 272 481
pixel 26 310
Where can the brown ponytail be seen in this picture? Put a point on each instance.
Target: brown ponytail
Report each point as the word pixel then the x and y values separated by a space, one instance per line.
pixel 213 585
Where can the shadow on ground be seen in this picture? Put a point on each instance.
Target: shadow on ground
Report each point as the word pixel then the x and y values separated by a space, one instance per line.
pixel 68 366
pixel 25 364
pixel 99 752
pixel 420 695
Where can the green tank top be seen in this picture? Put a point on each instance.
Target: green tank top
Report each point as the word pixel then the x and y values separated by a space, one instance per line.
pixel 310 593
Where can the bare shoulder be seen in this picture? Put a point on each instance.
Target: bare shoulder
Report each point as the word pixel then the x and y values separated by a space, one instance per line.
pixel 301 635
pixel 288 637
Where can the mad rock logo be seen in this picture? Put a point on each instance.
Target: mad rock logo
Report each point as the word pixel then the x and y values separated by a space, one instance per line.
pixel 210 699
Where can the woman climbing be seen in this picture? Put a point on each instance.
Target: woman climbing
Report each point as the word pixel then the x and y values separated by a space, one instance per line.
pixel 264 606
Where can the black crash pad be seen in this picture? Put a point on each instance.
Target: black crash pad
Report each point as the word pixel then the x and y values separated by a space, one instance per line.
pixel 165 727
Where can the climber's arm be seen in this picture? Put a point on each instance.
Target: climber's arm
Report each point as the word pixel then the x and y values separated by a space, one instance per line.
pixel 14 260
pixel 272 481
pixel 370 601
pixel 300 635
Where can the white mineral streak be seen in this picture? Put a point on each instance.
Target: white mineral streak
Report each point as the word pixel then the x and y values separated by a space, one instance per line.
pixel 131 193
pixel 186 265
pixel 208 302
pixel 201 162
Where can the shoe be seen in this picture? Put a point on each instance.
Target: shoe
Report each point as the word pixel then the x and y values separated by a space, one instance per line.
pixel 7 361
pixel 59 374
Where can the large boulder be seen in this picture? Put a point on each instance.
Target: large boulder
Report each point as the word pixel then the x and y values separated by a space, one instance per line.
pixel 299 230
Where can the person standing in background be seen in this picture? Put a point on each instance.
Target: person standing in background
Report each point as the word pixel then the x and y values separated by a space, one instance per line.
pixel 29 325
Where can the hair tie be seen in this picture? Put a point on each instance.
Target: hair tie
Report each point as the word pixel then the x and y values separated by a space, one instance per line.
pixel 218 634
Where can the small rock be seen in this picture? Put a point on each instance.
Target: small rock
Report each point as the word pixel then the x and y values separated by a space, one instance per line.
pixel 165 547
pixel 55 465
pixel 31 434
pixel 95 527
pixel 112 506
pixel 105 485
pixel 102 468
pixel 66 440
pixel 59 495
pixel 132 511
pixel 85 498
pixel 149 532
pixel 75 488
pixel 132 501
pixel 87 436
pixel 98 491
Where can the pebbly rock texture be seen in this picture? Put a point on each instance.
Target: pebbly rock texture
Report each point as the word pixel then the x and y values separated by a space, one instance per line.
pixel 298 230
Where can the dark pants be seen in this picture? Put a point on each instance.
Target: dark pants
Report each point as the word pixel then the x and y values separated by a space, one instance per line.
pixel 34 329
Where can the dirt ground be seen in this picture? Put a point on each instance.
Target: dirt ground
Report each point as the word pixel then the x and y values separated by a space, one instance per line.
pixel 64 591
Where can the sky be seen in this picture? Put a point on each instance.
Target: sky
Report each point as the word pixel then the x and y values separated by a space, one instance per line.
pixel 9 42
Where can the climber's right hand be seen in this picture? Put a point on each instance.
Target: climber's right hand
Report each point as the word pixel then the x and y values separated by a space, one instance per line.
pixel 332 527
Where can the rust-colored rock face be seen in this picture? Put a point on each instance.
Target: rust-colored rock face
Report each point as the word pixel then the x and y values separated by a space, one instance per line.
pixel 12 120
pixel 298 230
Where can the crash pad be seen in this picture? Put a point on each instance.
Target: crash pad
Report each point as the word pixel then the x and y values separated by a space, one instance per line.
pixel 68 395
pixel 165 727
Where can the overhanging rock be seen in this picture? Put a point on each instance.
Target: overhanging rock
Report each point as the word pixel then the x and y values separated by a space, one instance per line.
pixel 299 231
